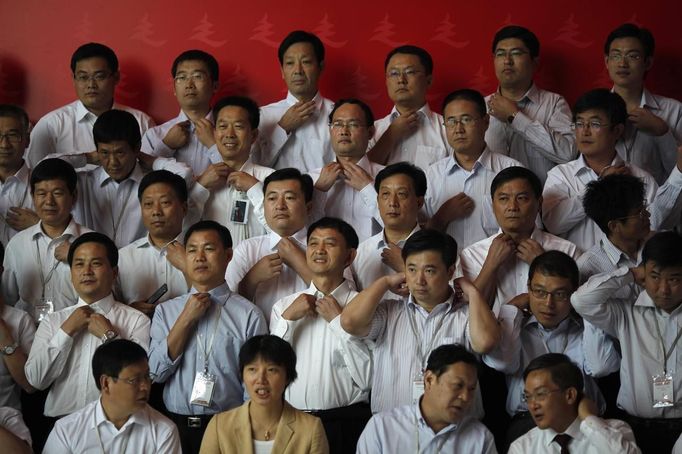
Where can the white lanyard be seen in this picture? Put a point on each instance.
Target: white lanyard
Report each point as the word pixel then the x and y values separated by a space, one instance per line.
pixel 667 354
pixel 542 338
pixel 44 279
pixel 206 350
pixel 418 339
pixel 116 222
pixel 99 437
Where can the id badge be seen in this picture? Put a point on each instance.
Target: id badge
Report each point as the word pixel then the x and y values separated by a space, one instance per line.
pixel 417 387
pixel 663 390
pixel 202 391
pixel 43 309
pixel 239 213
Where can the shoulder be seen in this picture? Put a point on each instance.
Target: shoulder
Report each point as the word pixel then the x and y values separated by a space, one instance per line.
pixel 525 441
pixel 261 172
pixel 132 248
pixel 21 239
pixel 79 418
pixel 65 112
pixel 158 420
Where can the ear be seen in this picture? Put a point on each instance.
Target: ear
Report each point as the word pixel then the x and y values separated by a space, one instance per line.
pixel 420 202
pixel 535 63
pixel 606 61
pixel 648 63
pixel 429 379
pixel 351 256
pixel 451 270
pixel 185 207
pixel 114 270
pixel 254 135
pixel 613 226
pixel 371 130
pixel 618 130
pixel 486 120
pixel 309 207
pixel 429 80
pixel 571 395
pixel 117 77
pixel 228 252
pixel 104 384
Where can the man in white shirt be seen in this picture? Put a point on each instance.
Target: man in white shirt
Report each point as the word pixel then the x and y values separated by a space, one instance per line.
pixel 529 124
pixel 400 191
pixel 233 183
pixel 334 380
pixel 37 278
pixel 157 259
pixel 294 131
pixel 438 422
pixel 567 422
pixel 269 267
pixel 344 187
pixel 412 132
pixel 460 204
pixel 648 329
pixel 654 127
pixel 189 136
pixel 498 265
pixel 16 207
pixel 68 129
pixel 66 340
pixel 120 420
pixel 405 331
pixel 600 117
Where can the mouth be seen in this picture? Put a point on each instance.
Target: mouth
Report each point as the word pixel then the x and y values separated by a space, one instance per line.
pixel 200 268
pixel 263 393
pixel 282 216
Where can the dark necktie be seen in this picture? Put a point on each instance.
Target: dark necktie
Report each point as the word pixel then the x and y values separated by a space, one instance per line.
pixel 563 440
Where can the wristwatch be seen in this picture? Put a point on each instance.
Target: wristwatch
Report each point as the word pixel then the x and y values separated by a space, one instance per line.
pixel 9 349
pixel 511 117
pixel 109 336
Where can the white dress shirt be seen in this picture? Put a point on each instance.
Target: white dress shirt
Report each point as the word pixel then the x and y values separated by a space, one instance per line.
pixel 337 368
pixel 12 420
pixel 634 325
pixel 15 191
pixel 655 154
pixel 562 200
pixel 250 251
pixel 512 275
pixel 308 147
pixel 591 436
pixel 358 208
pixel 403 430
pixel 23 330
pixel 423 147
pixel 193 153
pixel 447 179
pixel 68 130
pixel 143 268
pixel 540 136
pixel 221 201
pixel 65 362
pixel 22 280
pixel 88 431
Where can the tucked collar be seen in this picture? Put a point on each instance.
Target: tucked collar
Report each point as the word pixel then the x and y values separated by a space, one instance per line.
pixel 102 177
pixel 644 300
pixel 562 327
pixel 446 306
pixel 219 294
pixel 582 166
pixel 72 230
pixel 573 430
pixel 484 160
pixel 532 95
pixel 419 416
pixel 649 100
pixel 424 111
pixel 300 237
pixel 182 116
pixel 139 417
pixel 340 293
pixel 83 114
pixel 291 100
pixel 382 243
pixel 102 306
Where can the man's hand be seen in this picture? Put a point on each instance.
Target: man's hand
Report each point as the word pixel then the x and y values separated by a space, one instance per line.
pixel 195 308
pixel 20 218
pixel 356 176
pixel 328 176
pixel 396 284
pixel 241 181
pixel 528 249
pixel 144 307
pixel 586 408
pixel 303 305
pixel 77 321
pixel 215 176
pixel 618 169
pixel 296 115
pixel 92 157
pixel 644 120
pixel 405 125
pixel 98 325
pixel 522 301
pixel 175 254
pixel 392 256
pixel 61 252
pixel 266 268
pixel 501 107
pixel 457 207
pixel 203 129
pixel 501 248
pixel 177 136
pixel 328 308
pixel 639 274
pixel 290 252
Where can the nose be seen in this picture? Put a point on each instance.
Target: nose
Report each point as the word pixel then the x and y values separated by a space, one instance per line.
pixel 513 204
pixel 421 277
pixel 280 203
pixel 49 198
pixel 664 287
pixel 393 200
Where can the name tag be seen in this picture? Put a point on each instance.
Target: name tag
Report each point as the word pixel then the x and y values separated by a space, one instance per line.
pixel 202 391
pixel 43 309
pixel 417 387
pixel 239 213
pixel 663 391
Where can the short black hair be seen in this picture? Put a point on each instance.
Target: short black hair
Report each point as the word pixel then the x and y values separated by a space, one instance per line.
pixel 200 55
pixel 112 357
pixel 114 125
pixel 516 31
pixel 515 173
pixel 632 31
pixel 54 169
pixel 431 240
pixel 664 249
pixel 344 228
pixel 19 114
pixel 176 182
pixel 557 264
pixel 446 355
pixel 300 36
pixel 202 226
pixel 612 197
pixel 604 100
pixel 289 173
pixel 415 173
pixel 369 116
pixel 270 348
pixel 244 102
pixel 424 57
pixel 467 94
pixel 99 238
pixel 92 50
pixel 565 374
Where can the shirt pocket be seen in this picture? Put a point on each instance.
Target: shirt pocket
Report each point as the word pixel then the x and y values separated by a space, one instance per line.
pixel 427 155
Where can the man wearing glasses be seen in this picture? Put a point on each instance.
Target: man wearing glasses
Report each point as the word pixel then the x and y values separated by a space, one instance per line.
pixel 459 203
pixel 68 130
pixel 599 117
pixel 120 420
pixel 411 132
pixel 529 124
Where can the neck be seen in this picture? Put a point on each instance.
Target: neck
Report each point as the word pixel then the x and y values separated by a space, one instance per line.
pixel 198 113
pixel 517 237
pixel 632 95
pixel 265 417
pixel 99 111
pixel 326 283
pixel 433 423
pixel 599 162
pixel 430 305
pixel 207 287
pixel 55 230
pixel 305 97
pixel 346 159
pixel 288 232
pixel 629 247
pixel 410 106
pixel 236 162
pixel 566 423
pixel 397 234
pixel 467 160
pixel 114 415
pixel 515 93
pixel 9 170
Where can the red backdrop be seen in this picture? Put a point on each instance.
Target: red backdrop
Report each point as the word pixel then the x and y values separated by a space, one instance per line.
pixel 37 38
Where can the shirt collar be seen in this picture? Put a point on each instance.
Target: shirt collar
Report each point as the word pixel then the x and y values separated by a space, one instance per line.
pixel 649 100
pixel 424 425
pixel 532 95
pixel 612 252
pixel 382 243
pixel 219 294
pixel 82 112
pixel 450 304
pixel 562 327
pixel 72 230
pixel 139 417
pixel 484 160
pixel 102 306
pixel 291 100
pixel 425 111
pixel 20 175
pixel 147 242
pixel 573 430
pixel 340 293
pixel 102 177
pixel 299 236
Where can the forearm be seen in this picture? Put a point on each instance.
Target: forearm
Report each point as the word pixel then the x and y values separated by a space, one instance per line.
pixel 484 329
pixel 357 315
pixel 178 337
pixel 381 150
pixel 248 286
pixel 485 282
pixel 12 443
pixel 15 364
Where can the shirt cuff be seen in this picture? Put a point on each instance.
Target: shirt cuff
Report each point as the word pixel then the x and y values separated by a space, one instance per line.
pixel 521 121
pixel 335 327
pixel 675 178
pixel 591 424
pixel 61 340
pixel 255 192
pixel 369 195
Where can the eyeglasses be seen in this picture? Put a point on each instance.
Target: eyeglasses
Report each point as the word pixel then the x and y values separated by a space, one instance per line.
pixel 513 54
pixel 643 213
pixel 464 120
pixel 350 124
pixel 136 381
pixel 594 125
pixel 13 137
pixel 538 396
pixel 195 77
pixel 630 56
pixel 409 73
pixel 558 295
pixel 97 77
